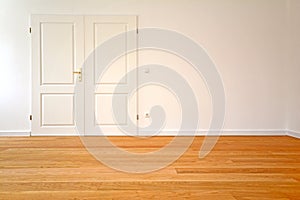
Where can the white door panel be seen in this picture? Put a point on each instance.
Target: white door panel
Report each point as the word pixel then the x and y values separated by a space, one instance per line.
pixel 57 50
pixel 98 101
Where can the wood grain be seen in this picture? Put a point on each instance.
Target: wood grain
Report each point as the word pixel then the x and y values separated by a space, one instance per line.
pixel 238 168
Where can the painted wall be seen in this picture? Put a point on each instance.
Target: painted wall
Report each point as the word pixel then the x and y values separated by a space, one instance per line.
pixel 246 40
pixel 294 69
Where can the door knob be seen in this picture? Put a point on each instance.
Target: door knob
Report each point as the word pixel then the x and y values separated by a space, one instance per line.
pixel 78 72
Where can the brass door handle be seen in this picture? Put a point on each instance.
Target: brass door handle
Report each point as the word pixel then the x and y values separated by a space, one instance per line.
pixel 78 72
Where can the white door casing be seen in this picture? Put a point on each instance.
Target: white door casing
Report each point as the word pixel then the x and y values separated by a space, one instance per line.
pixel 59 46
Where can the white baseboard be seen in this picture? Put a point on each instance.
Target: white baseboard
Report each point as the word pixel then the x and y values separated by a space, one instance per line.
pixel 14 133
pixel 224 132
pixel 54 134
pixel 292 133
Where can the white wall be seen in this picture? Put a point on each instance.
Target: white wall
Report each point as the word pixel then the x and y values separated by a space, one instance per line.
pixel 294 69
pixel 246 39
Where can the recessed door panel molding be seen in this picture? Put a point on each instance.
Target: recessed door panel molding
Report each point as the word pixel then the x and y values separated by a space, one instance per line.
pixel 52 106
pixel 60 45
pixel 57 52
pixel 104 111
pixel 118 69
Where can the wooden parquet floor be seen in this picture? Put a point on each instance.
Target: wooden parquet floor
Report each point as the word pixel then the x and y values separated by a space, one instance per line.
pixel 238 168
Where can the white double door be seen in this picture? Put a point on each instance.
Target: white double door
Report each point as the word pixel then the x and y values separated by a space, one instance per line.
pixel 61 47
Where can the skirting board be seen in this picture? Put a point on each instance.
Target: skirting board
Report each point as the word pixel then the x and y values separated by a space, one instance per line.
pixel 202 132
pixel 14 133
pixel 293 133
pixel 225 132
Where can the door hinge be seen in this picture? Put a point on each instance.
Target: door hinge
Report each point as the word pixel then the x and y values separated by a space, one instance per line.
pixel 29 29
pixel 137 117
pixel 137 31
pixel 30 117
